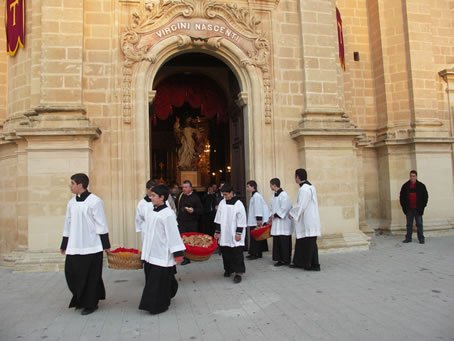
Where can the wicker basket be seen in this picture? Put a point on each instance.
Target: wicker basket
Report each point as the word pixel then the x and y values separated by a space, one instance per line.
pixel 261 233
pixel 131 262
pixel 196 258
pixel 196 253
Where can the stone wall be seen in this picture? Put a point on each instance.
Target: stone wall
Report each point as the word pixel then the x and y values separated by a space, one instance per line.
pixel 72 106
pixel 3 74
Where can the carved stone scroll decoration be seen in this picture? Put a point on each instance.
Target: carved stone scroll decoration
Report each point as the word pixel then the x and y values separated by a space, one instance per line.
pixel 190 21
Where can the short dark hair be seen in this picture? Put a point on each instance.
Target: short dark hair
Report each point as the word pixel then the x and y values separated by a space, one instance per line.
pixel 187 182
pixel 161 190
pixel 227 188
pixel 150 184
pixel 173 184
pixel 252 183
pixel 301 174
pixel 414 172
pixel 275 181
pixel 81 178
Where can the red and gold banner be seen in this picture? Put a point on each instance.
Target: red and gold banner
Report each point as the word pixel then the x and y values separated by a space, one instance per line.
pixel 15 25
pixel 340 38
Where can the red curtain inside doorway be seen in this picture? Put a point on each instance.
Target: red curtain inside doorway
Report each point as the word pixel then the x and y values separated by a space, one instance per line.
pixel 199 91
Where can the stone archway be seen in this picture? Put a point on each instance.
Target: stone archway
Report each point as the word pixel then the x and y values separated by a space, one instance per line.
pixel 248 59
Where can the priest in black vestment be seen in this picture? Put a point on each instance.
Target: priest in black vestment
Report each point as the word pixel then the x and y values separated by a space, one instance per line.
pixel 190 208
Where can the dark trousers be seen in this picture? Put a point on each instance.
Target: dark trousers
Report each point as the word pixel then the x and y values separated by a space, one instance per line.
pixel 412 214
pixel 233 259
pixel 257 246
pixel 208 223
pixel 84 277
pixel 282 249
pixel 188 226
pixel 306 253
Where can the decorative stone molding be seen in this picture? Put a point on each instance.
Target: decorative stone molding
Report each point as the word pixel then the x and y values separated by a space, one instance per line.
pixel 448 77
pixel 198 24
pixel 49 120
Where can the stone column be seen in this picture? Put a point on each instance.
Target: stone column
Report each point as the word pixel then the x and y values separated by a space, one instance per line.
pixel 325 136
pixel 413 133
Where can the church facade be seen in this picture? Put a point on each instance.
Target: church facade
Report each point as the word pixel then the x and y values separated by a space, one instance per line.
pixel 85 94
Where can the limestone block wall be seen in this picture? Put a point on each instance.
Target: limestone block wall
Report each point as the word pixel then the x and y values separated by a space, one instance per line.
pixel 443 50
pixel 8 198
pixel 101 91
pixel 20 66
pixel 49 170
pixel 3 74
pixel 358 75
pixel 289 95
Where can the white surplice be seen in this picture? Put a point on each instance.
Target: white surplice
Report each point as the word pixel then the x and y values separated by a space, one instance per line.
pixel 281 206
pixel 257 208
pixel 84 222
pixel 305 213
pixel 230 217
pixel 141 214
pixel 161 237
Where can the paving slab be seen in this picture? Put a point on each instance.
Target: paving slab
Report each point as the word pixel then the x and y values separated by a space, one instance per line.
pixel 394 291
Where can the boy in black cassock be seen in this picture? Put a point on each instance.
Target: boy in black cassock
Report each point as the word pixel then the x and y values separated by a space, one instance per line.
pixel 230 232
pixel 85 236
pixel 162 249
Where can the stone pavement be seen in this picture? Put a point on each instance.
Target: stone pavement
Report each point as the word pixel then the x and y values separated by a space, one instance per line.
pixel 394 291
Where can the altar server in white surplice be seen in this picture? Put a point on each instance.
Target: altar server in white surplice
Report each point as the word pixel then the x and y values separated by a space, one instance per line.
pixel 281 228
pixel 85 236
pixel 307 224
pixel 257 214
pixel 162 249
pixel 230 231
pixel 143 206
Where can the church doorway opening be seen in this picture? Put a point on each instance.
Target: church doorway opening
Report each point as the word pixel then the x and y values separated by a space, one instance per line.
pixel 196 125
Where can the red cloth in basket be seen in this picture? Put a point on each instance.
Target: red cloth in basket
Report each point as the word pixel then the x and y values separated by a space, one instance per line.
pixel 197 250
pixel 122 249
pixel 257 232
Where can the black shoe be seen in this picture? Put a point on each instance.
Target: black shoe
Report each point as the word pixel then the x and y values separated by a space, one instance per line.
pixel 278 263
pixel 237 279
pixel 294 266
pixel 421 241
pixel 406 241
pixel 185 261
pixel 252 257
pixel 314 268
pixel 227 274
pixel 87 311
pixel 259 255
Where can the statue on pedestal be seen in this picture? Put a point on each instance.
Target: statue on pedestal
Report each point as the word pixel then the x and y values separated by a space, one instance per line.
pixel 187 136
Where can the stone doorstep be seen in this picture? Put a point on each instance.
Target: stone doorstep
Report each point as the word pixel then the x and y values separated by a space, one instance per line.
pixel 35 261
pixel 431 228
pixel 343 242
pixel 39 261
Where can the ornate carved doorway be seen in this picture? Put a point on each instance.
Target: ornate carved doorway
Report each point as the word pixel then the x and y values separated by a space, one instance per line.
pixel 196 126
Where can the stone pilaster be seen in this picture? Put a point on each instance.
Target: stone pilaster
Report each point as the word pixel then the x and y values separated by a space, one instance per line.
pixel 325 136
pixel 52 144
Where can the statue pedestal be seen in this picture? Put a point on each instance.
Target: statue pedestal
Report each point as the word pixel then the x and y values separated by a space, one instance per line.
pixel 193 176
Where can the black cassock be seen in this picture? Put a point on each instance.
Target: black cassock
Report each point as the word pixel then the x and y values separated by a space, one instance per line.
pixel 160 287
pixel 83 275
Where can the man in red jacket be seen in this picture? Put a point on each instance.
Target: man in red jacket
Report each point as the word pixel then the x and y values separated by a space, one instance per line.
pixel 413 199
